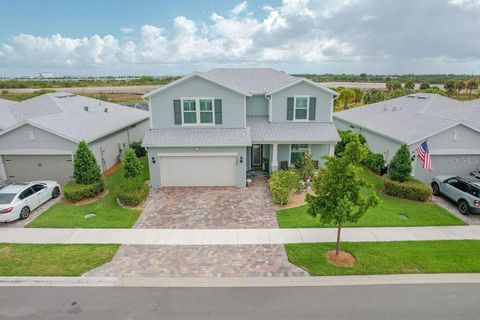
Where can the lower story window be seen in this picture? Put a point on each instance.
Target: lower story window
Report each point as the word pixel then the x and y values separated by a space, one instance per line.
pixel 297 151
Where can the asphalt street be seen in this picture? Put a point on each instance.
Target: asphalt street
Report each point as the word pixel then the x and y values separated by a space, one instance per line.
pixel 426 301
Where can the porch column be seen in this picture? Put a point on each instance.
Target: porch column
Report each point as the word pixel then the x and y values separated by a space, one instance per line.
pixel 274 157
pixel 331 150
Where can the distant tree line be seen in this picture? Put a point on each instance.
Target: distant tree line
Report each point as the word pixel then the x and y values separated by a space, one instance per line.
pixel 363 77
pixel 104 82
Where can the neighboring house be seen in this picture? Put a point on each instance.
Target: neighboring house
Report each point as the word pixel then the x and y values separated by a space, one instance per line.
pixel 451 127
pixel 209 128
pixel 43 134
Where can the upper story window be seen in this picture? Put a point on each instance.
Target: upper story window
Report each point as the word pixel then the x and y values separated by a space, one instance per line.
pixel 301 108
pixel 198 111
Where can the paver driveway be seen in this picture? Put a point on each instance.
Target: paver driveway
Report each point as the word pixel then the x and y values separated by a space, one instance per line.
pixel 210 208
pixel 200 261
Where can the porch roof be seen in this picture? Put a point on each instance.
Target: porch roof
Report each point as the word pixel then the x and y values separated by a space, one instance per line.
pixel 271 132
pixel 197 137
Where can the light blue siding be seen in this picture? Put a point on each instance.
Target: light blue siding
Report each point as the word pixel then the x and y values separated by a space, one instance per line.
pixel 324 102
pixel 319 151
pixel 233 104
pixel 257 106
pixel 155 167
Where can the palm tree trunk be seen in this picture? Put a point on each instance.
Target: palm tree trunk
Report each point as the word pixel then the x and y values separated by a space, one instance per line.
pixel 337 247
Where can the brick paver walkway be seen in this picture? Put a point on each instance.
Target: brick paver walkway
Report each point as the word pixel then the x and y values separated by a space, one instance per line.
pixel 210 208
pixel 200 261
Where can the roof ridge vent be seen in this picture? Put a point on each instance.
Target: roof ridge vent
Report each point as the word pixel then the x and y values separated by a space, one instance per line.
pixel 421 97
pixel 411 96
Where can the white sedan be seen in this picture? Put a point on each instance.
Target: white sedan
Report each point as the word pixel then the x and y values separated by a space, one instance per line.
pixel 17 200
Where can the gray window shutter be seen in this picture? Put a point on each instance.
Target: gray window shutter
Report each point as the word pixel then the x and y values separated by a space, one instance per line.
pixel 312 108
pixel 290 108
pixel 218 111
pixel 177 111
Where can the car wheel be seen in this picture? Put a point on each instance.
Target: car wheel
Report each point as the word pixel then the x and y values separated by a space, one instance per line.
pixel 55 192
pixel 435 189
pixel 463 207
pixel 24 213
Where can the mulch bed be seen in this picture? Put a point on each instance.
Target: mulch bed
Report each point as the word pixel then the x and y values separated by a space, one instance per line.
pixel 344 259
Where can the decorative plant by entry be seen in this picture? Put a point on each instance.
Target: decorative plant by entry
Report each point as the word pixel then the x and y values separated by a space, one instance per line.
pixel 131 166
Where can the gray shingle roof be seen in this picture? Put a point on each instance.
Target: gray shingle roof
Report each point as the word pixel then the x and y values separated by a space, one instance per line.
pixel 6 103
pixel 414 117
pixel 64 114
pixel 255 80
pixel 264 131
pixel 6 117
pixel 197 137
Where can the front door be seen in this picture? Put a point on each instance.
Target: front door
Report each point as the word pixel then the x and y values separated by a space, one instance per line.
pixel 256 155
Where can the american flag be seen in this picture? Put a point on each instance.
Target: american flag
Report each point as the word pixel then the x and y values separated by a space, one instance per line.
pixel 424 154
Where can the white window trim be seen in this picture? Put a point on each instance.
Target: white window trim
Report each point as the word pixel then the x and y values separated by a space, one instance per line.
pixel 295 108
pixel 290 153
pixel 197 111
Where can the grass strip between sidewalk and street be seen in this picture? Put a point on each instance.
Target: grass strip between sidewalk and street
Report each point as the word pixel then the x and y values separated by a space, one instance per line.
pixel 446 256
pixel 53 259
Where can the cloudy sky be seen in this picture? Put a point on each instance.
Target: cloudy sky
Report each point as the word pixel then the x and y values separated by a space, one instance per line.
pixel 115 37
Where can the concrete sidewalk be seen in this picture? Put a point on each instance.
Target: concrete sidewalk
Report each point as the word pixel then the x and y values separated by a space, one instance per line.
pixel 157 282
pixel 234 236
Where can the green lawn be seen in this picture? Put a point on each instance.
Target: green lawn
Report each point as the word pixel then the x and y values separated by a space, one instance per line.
pixel 390 257
pixel 53 259
pixel 386 214
pixel 108 213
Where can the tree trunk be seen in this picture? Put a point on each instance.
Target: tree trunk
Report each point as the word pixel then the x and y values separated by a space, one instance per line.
pixel 337 247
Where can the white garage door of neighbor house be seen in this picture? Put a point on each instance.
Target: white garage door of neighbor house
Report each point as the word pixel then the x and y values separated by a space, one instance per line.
pixel 182 171
pixel 447 165
pixel 22 168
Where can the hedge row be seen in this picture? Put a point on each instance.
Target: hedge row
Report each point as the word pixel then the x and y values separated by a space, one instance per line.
pixel 75 191
pixel 418 192
pixel 374 161
pixel 132 194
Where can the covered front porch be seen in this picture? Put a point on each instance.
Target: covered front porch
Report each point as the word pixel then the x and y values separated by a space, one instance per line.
pixel 273 156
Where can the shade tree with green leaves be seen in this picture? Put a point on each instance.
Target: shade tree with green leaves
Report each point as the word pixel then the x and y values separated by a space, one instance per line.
pixel 337 197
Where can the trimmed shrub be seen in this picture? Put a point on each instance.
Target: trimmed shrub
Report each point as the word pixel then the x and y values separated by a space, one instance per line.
pixel 282 183
pixel 132 194
pixel 74 191
pixel 374 161
pixel 131 166
pixel 85 167
pixel 407 190
pixel 139 150
pixel 400 167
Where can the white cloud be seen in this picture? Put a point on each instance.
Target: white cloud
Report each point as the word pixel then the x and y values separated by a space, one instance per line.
pixel 465 3
pixel 127 30
pixel 297 32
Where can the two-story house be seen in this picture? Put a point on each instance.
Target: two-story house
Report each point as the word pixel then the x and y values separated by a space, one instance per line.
pixel 210 128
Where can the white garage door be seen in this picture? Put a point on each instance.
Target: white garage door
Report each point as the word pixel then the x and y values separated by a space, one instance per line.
pixel 21 168
pixel 447 165
pixel 180 171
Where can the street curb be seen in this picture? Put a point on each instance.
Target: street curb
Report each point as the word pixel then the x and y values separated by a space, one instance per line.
pixel 152 282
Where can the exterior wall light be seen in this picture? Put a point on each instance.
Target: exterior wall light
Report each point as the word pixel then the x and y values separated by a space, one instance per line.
pixel 241 159
pixel 153 159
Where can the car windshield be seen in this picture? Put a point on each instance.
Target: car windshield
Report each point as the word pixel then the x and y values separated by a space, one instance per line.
pixel 6 198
